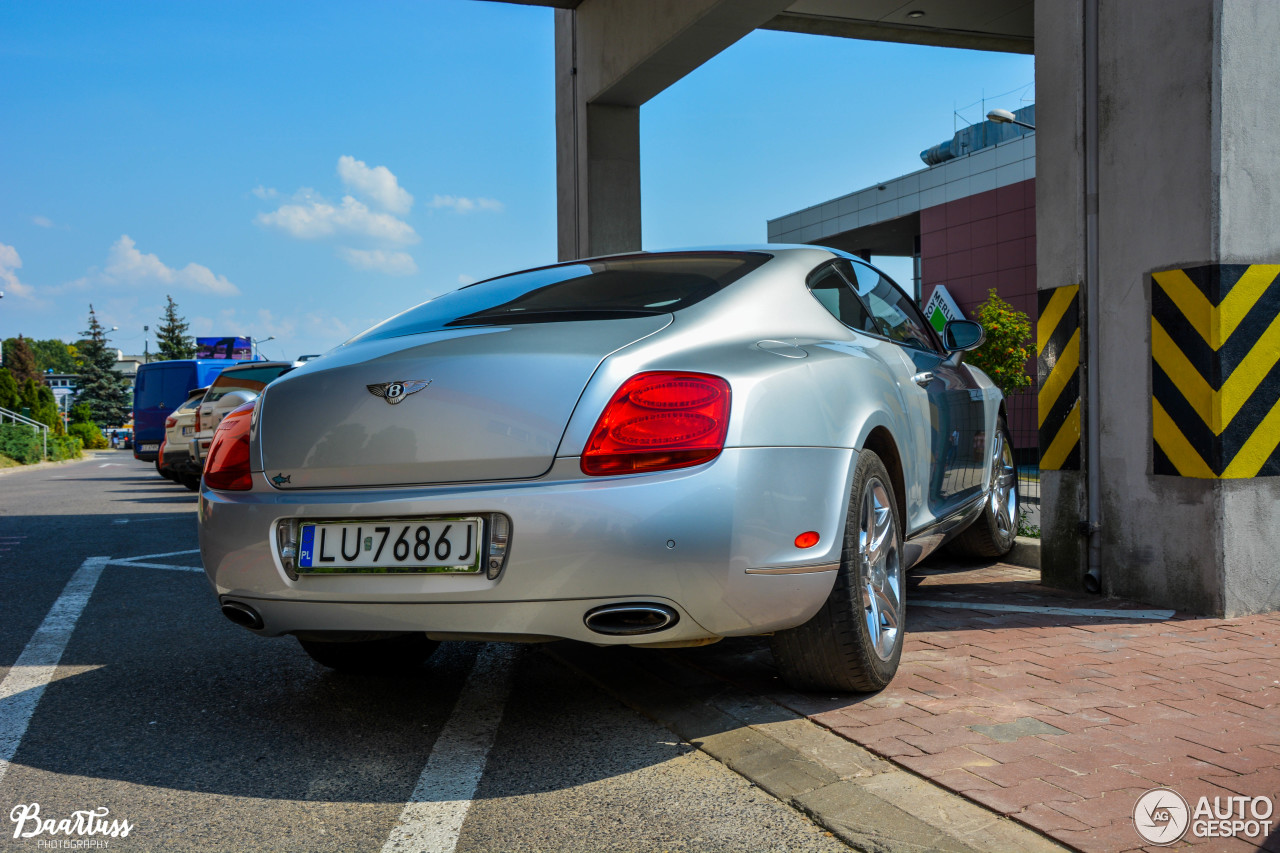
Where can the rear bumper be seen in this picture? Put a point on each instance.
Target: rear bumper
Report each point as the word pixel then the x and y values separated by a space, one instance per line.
pixel 715 543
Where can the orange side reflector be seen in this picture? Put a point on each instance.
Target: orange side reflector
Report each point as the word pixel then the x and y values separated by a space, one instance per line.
pixel 807 540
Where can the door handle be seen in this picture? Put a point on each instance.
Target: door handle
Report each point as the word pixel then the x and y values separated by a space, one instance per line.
pixel 923 378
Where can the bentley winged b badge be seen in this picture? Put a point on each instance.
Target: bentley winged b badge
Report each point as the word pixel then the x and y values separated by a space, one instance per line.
pixel 394 392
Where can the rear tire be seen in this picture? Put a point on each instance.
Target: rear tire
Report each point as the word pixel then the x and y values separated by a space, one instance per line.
pixel 191 481
pixel 381 656
pixel 854 642
pixel 993 533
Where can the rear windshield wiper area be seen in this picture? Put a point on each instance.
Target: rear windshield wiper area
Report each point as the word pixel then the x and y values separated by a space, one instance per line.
pixel 565 315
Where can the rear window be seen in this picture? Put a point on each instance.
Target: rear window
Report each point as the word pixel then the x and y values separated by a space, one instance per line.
pixel 191 403
pixel 607 288
pixel 249 379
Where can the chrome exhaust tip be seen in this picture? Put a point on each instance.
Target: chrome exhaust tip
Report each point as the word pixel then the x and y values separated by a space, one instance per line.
pixel 628 620
pixel 243 615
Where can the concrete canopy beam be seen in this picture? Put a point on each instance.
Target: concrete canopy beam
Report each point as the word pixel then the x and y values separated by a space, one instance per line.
pixel 822 25
pixel 611 57
pixel 628 52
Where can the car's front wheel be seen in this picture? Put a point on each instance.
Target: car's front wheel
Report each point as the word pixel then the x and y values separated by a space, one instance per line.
pixel 993 533
pixel 381 656
pixel 854 642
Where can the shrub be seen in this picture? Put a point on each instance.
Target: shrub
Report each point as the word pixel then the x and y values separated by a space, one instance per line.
pixel 24 444
pixel 21 442
pixel 89 435
pixel 1003 355
pixel 65 447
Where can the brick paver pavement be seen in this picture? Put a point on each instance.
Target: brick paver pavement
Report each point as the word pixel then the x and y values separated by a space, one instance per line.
pixel 1063 721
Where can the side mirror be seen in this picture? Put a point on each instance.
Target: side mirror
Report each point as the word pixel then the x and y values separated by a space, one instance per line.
pixel 962 335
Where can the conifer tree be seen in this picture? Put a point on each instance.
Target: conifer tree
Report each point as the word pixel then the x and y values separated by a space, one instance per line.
pixel 10 397
pixel 171 335
pixel 21 361
pixel 101 387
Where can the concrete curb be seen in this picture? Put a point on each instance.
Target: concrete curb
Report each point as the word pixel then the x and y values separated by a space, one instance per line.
pixel 867 802
pixel 1025 553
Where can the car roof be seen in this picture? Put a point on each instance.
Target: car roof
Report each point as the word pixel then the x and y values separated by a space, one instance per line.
pixel 254 365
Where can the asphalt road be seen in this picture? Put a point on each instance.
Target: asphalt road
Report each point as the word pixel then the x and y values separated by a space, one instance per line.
pixel 204 737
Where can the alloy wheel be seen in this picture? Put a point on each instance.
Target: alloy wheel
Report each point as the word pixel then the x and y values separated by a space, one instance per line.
pixel 880 569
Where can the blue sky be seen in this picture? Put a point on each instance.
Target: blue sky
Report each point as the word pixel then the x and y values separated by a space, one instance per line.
pixel 305 170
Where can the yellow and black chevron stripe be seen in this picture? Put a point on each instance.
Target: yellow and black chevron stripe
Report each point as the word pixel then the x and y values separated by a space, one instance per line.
pixel 1058 371
pixel 1215 371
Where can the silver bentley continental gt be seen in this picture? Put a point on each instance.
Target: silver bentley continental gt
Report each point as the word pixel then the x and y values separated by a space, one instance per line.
pixel 656 449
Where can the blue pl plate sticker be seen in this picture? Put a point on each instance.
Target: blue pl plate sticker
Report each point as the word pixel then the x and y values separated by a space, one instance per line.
pixel 308 543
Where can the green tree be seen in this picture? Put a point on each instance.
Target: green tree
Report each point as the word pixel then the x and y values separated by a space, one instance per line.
pixel 53 354
pixel 101 387
pixel 171 335
pixel 21 361
pixel 43 405
pixel 1003 355
pixel 9 395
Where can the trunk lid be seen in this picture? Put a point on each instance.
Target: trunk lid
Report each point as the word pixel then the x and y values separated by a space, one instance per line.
pixel 496 406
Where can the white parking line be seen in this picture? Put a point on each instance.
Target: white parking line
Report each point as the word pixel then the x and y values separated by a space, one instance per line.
pixel 139 561
pixel 138 565
pixel 432 820
pixel 24 684
pixel 157 556
pixel 26 680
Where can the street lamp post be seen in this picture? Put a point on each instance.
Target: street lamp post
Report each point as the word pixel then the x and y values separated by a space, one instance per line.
pixel 257 341
pixel 1006 117
pixel 146 341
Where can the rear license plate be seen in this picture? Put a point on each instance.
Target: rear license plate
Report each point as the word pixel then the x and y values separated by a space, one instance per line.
pixel 188 430
pixel 149 447
pixel 435 546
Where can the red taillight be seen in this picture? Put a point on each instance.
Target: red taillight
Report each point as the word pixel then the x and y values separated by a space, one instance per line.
pixel 160 458
pixel 658 421
pixel 170 422
pixel 228 465
pixel 197 420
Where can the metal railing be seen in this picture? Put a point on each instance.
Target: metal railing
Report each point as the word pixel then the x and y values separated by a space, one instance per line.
pixel 23 419
pixel 1023 429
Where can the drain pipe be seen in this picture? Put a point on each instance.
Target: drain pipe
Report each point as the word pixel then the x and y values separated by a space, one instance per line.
pixel 1092 525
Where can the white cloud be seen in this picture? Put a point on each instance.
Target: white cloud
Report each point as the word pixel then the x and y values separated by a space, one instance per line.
pixel 265 192
pixel 467 205
pixel 333 330
pixel 312 218
pixel 267 325
pixel 43 221
pixel 376 184
pixel 126 264
pixel 9 262
pixel 391 263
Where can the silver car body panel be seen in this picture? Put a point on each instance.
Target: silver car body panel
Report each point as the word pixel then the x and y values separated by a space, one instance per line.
pixel 688 537
pixel 715 542
pixel 495 408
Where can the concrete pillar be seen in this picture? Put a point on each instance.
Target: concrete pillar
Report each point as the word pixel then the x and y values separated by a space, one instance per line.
pixel 1187 134
pixel 611 57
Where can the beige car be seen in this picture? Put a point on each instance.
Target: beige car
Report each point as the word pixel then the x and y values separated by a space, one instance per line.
pixel 234 387
pixel 175 462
